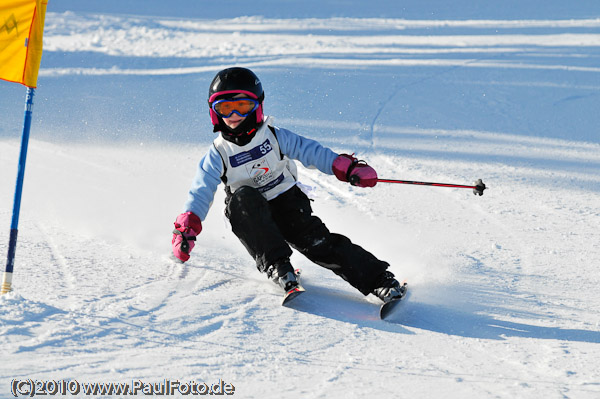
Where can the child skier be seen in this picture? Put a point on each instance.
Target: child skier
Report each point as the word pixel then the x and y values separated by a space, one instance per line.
pixel 267 210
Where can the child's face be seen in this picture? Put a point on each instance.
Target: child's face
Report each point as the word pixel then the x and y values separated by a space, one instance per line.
pixel 235 120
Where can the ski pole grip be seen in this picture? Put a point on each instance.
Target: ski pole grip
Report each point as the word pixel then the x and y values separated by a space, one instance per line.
pixel 185 245
pixel 354 180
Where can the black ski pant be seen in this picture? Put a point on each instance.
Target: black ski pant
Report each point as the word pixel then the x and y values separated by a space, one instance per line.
pixel 268 229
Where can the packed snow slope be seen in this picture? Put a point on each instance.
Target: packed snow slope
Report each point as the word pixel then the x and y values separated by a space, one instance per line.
pixel 505 300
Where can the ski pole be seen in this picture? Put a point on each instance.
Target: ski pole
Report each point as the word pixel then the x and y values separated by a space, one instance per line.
pixel 477 188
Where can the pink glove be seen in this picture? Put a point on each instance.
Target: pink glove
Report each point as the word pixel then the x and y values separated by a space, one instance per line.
pixel 358 173
pixel 187 227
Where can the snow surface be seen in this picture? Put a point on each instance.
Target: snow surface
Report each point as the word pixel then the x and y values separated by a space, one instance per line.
pixel 505 300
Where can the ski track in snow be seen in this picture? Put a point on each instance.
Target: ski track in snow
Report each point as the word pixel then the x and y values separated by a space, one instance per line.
pixel 331 43
pixel 503 287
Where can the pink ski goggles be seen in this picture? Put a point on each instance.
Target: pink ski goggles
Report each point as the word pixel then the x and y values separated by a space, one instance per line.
pixel 243 106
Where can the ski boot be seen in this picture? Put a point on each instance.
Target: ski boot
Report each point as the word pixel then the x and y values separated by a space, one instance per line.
pixel 283 274
pixel 388 288
pixel 390 291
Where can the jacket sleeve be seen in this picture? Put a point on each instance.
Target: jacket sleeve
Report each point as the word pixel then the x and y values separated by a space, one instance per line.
pixel 204 186
pixel 309 152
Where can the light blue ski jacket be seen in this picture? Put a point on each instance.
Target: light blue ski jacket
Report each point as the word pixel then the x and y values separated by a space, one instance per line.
pixel 211 168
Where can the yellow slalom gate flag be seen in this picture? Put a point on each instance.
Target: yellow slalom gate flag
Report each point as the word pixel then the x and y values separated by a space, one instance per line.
pixel 21 33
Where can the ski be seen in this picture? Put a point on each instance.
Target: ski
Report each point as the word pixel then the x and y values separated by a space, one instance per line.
pixel 387 308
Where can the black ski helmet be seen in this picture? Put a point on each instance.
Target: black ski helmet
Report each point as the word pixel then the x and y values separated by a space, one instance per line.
pixel 235 80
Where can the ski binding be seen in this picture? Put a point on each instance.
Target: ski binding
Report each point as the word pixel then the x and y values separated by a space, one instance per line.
pixel 295 291
pixel 291 294
pixel 387 308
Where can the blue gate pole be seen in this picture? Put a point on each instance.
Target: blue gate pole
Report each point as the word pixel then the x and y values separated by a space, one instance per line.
pixel 12 243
